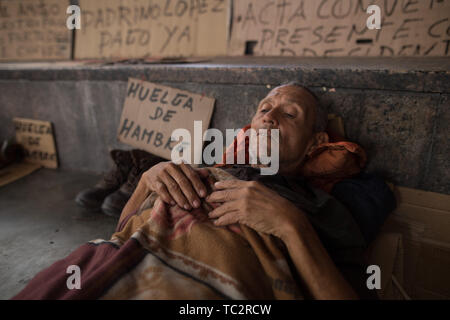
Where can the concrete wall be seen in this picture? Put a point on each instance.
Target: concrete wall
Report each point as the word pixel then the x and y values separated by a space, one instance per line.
pixel 397 109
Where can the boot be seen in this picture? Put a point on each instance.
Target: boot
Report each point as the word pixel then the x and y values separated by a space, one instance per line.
pixel 93 198
pixel 116 201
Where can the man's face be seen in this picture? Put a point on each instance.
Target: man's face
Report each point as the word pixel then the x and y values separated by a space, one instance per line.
pixel 291 110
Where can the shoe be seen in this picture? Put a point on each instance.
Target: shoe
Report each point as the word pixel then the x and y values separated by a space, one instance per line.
pixel 116 201
pixel 92 199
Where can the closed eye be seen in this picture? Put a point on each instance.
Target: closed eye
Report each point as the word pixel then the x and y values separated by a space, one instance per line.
pixel 291 116
pixel 266 108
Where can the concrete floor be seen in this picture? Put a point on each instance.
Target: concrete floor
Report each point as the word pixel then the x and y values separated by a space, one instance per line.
pixel 40 224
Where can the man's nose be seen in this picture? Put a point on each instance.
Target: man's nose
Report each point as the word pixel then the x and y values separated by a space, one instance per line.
pixel 271 118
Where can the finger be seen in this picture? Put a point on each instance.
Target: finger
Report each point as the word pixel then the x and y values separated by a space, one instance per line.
pixel 227 219
pixel 195 179
pixel 162 191
pixel 231 184
pixel 184 184
pixel 223 195
pixel 204 173
pixel 224 209
pixel 174 190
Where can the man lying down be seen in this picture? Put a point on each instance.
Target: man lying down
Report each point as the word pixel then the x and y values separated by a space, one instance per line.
pixel 228 232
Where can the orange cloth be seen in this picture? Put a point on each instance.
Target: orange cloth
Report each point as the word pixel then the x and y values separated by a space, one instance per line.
pixel 328 164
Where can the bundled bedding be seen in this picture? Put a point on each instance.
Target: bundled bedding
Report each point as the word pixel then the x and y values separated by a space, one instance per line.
pixel 166 252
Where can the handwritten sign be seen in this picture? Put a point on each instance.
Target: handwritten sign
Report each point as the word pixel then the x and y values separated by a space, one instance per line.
pixel 152 112
pixel 34 30
pixel 158 28
pixel 36 137
pixel 339 28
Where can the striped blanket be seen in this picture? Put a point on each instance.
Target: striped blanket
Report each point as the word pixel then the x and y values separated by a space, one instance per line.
pixel 165 252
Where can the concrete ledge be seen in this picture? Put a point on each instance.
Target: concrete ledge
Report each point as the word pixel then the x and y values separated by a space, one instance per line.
pixel 405 74
pixel 397 109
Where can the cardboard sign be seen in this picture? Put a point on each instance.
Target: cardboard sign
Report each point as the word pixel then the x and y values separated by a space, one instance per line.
pixel 158 28
pixel 34 30
pixel 152 112
pixel 36 137
pixel 339 28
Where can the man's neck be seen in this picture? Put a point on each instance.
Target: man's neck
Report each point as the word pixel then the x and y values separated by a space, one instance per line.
pixel 291 168
pixel 286 168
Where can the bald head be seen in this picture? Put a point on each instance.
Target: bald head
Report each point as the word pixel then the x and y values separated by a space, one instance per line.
pixel 305 97
pixel 295 111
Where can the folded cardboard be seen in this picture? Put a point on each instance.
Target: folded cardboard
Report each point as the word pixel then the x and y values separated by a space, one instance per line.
pixel 16 171
pixel 423 220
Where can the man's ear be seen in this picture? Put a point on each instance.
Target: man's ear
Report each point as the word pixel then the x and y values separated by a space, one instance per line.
pixel 318 138
pixel 322 137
